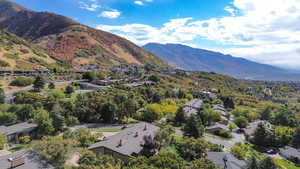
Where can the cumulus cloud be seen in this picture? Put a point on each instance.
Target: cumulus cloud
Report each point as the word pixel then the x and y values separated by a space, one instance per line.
pixel 112 14
pixel 139 3
pixel 262 30
pixel 90 5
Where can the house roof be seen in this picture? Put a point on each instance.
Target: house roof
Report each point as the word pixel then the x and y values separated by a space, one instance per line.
pixel 219 159
pixel 252 126
pixel 288 152
pixel 195 103
pixel 32 161
pixel 217 125
pixel 132 139
pixel 17 128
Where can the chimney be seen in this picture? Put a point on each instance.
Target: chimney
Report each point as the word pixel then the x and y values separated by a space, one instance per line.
pixel 136 134
pixel 146 127
pixel 120 143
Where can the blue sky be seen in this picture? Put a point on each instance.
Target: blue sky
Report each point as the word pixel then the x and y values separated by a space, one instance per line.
pixel 267 31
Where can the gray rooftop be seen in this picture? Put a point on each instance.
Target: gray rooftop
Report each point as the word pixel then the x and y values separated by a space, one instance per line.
pixel 18 128
pixel 219 159
pixel 217 125
pixel 195 103
pixel 289 152
pixel 32 161
pixel 132 139
pixel 252 126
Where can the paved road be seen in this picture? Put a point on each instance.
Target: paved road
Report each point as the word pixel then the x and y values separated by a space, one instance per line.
pixel 227 144
pixel 91 126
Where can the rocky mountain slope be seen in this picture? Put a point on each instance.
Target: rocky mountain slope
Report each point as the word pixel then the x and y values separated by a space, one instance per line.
pixel 16 53
pixel 203 60
pixel 65 39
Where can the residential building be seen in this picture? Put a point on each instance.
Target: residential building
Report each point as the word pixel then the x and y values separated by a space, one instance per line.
pixel 14 132
pixel 250 129
pixel 225 160
pixel 192 107
pixel 128 143
pixel 290 154
pixel 215 128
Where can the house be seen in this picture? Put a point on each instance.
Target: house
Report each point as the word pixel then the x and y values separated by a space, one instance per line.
pixel 225 160
pixel 192 107
pixel 128 143
pixel 290 154
pixel 14 132
pixel 249 131
pixel 215 128
pixel 221 109
pixel 23 160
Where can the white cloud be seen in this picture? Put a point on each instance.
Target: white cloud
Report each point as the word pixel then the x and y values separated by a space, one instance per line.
pixel 90 5
pixel 139 3
pixel 262 30
pixel 113 14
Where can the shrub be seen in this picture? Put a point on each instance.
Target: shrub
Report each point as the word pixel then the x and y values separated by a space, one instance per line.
pixel 224 133
pixel 11 56
pixel 24 51
pixel 25 139
pixel 3 63
pixel 21 82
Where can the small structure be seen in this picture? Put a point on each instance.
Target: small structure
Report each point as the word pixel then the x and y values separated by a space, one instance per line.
pixel 192 107
pixel 14 132
pixel 128 143
pixel 23 160
pixel 216 127
pixel 225 160
pixel 290 154
pixel 249 131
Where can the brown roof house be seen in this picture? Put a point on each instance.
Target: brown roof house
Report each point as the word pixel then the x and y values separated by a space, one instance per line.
pixel 14 132
pixel 129 143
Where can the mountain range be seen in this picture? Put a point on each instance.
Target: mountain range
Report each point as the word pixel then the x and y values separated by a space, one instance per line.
pixel 66 40
pixel 189 58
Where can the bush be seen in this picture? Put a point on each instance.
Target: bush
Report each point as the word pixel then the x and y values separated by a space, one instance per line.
pixel 224 133
pixel 25 139
pixel 11 56
pixel 21 82
pixel 3 63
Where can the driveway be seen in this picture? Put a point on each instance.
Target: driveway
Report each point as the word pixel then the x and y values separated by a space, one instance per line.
pixel 227 144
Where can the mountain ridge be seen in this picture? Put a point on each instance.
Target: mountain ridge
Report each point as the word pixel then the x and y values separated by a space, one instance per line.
pixel 204 60
pixel 64 39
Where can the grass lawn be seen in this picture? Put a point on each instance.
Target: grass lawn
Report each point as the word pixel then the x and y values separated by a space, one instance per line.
pixel 285 164
pixel 19 147
pixel 107 130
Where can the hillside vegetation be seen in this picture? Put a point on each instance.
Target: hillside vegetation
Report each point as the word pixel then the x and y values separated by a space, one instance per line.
pixel 16 53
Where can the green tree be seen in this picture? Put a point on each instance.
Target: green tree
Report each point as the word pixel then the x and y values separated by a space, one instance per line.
pixel 193 127
pixel 21 82
pixel 26 112
pixel 42 119
pixel 241 122
pixel 228 102
pixel 88 158
pixel 54 150
pixel 165 135
pixel 58 122
pixel 296 139
pixel 192 149
pixel 39 83
pixel 2 96
pixel 109 112
pixel 8 118
pixel 3 141
pixel 90 76
pixel 51 85
pixel 253 163
pixel 262 136
pixel 268 163
pixel 180 116
pixel 151 113
pixel 69 90
pixel 283 136
pixel 167 160
pixel 85 137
